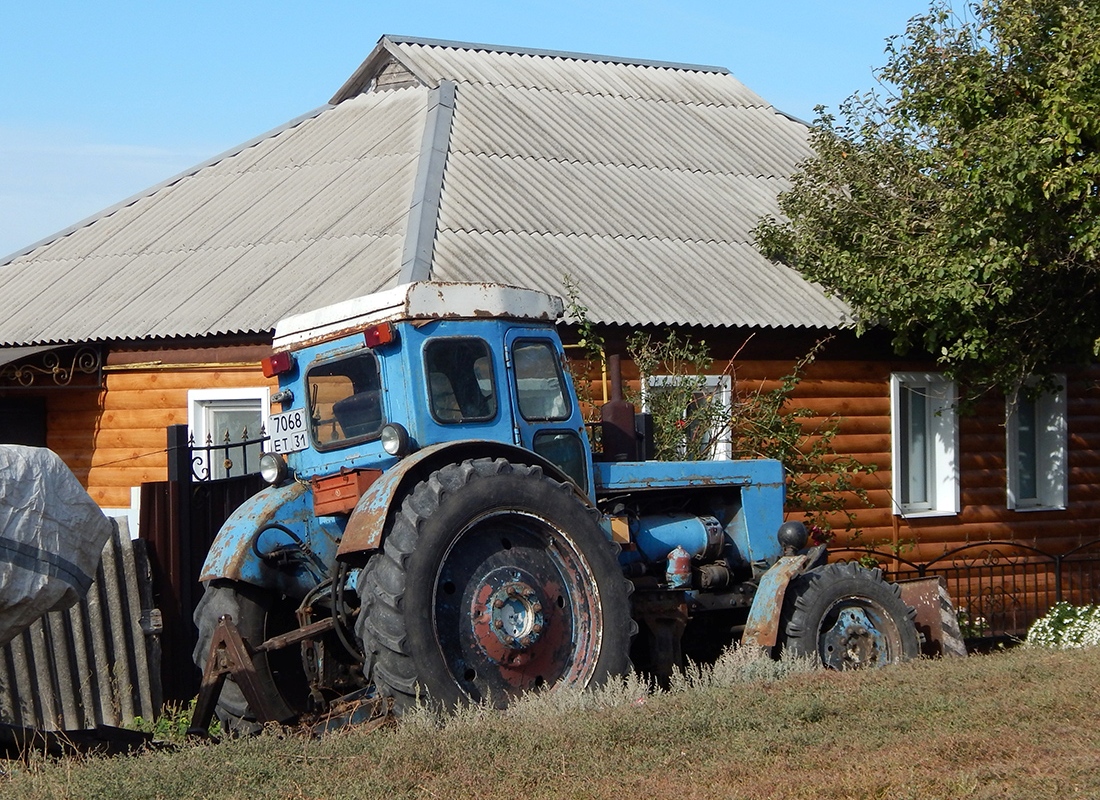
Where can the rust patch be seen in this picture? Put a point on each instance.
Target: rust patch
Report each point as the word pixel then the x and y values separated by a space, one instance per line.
pixel 762 627
pixel 935 616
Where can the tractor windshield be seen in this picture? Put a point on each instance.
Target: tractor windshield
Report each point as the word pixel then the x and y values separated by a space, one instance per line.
pixel 345 401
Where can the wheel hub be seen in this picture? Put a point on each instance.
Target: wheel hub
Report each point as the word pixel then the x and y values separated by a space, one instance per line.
pixel 515 613
pixel 509 617
pixel 852 642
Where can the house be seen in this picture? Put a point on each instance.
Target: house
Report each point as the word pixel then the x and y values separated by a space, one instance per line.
pixel 640 180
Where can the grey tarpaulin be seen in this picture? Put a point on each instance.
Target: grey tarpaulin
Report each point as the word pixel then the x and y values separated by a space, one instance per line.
pixel 51 537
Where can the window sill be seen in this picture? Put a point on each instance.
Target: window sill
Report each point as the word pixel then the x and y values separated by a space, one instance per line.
pixel 1026 509
pixel 934 512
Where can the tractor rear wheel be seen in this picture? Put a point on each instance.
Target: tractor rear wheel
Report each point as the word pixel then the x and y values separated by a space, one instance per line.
pixel 258 614
pixel 847 617
pixel 494 579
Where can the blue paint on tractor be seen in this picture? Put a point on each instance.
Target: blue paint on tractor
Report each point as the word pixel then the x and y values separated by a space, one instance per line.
pixel 754 503
pixel 273 539
pixel 614 476
pixel 485 383
pixel 658 535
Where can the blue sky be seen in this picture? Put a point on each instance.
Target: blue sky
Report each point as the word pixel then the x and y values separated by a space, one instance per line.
pixel 99 100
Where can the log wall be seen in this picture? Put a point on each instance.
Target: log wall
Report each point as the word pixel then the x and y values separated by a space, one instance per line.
pixel 114 438
pixel 857 394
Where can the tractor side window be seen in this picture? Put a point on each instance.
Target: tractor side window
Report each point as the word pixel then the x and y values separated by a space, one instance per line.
pixel 540 385
pixel 459 372
pixel 345 400
pixel 563 448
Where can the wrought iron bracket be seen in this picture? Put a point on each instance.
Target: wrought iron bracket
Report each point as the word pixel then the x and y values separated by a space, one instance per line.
pixel 55 366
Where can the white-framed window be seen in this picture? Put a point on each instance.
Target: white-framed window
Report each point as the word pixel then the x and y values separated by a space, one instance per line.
pixel 924 444
pixel 716 389
pixel 1035 440
pixel 215 416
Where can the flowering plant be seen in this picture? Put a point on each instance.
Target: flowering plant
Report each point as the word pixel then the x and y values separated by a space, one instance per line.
pixel 1066 626
pixel 819 535
pixel 972 626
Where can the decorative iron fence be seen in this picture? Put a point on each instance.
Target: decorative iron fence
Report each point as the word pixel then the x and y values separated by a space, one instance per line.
pixel 999 588
pixel 227 458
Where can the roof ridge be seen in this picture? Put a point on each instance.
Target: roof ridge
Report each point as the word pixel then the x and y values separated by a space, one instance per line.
pixel 564 54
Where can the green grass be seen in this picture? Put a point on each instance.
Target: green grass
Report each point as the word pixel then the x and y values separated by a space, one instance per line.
pixel 1016 724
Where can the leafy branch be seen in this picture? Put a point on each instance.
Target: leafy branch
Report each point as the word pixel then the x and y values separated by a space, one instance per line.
pixel 959 208
pixel 700 414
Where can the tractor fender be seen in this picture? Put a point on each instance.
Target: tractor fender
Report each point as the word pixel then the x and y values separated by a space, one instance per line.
pixel 762 626
pixel 274 517
pixel 367 524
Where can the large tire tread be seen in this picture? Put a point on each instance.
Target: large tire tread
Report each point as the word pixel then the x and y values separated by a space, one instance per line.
pixel 249 606
pixel 383 625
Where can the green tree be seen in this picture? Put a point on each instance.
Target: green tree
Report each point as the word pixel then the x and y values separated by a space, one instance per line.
pixel 958 206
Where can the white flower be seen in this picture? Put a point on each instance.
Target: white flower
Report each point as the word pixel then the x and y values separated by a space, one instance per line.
pixel 1067 626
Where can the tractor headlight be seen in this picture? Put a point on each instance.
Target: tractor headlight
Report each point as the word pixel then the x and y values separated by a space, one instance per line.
pixel 273 468
pixel 395 439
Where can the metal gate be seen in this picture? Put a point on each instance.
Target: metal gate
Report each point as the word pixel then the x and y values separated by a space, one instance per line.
pixel 179 519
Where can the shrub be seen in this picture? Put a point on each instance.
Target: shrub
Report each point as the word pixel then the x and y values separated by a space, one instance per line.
pixel 972 626
pixel 172 724
pixel 693 417
pixel 1066 626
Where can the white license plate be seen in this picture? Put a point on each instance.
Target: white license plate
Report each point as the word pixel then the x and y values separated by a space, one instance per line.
pixel 289 431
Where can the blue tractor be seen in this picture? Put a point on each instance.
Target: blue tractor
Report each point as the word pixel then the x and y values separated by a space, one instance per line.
pixel 436 527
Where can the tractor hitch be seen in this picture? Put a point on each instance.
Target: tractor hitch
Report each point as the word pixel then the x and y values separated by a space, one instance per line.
pixel 231 655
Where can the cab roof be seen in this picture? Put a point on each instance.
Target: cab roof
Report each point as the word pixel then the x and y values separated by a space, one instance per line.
pixel 420 300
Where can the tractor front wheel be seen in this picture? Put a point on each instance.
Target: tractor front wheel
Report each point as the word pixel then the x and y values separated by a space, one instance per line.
pixel 258 615
pixel 847 617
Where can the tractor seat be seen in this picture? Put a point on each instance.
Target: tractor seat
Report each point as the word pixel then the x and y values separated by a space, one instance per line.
pixel 359 414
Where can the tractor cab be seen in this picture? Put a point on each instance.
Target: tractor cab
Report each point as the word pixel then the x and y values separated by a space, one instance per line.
pixel 366 382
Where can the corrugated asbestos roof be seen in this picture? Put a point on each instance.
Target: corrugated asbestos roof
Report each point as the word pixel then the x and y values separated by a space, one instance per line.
pixel 641 181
